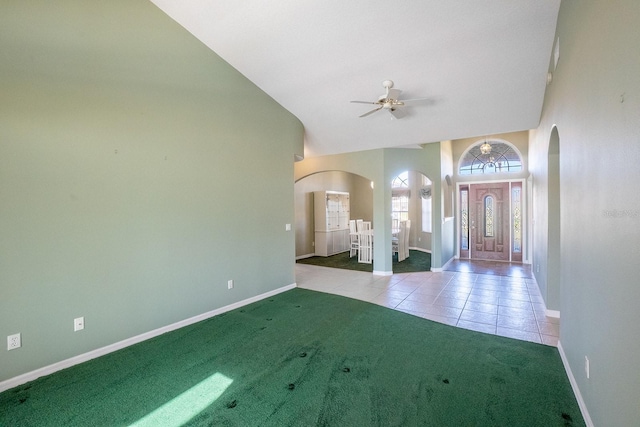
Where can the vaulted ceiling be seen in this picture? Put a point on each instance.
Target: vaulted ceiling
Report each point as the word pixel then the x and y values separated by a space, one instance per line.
pixel 482 64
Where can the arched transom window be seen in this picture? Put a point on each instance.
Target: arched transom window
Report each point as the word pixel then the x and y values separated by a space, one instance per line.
pixel 490 157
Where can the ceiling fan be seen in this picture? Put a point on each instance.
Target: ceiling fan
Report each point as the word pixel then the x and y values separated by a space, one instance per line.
pixel 390 102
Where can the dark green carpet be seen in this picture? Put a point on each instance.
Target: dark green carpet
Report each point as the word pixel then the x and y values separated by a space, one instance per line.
pixel 304 358
pixel 417 261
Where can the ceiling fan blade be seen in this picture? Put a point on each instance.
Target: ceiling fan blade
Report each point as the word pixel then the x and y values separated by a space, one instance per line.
pixel 371 112
pixel 397 113
pixel 417 101
pixel 364 102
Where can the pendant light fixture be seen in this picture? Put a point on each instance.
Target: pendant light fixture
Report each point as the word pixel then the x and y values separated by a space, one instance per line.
pixel 485 148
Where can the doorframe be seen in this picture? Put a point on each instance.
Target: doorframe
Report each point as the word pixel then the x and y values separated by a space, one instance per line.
pixel 525 215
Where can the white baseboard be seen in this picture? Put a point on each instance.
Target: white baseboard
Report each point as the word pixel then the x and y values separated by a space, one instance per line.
pixel 382 273
pixel 305 256
pixel 390 273
pixel 441 269
pixel 552 313
pixel 75 360
pixel 549 313
pixel 574 386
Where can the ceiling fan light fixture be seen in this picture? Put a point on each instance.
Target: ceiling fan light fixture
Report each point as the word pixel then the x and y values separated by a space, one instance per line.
pixel 390 101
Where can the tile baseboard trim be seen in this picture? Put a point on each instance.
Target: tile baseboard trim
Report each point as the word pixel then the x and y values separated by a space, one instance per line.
pixel 75 360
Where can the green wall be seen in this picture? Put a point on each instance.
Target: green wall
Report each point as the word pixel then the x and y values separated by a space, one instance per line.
pixel 138 173
pixel 594 100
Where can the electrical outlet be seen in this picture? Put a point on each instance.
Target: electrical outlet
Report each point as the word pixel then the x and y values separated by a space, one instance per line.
pixel 14 341
pixel 230 284
pixel 78 324
pixel 287 227
pixel 586 366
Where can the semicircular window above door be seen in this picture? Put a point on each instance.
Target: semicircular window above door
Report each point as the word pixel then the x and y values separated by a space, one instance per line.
pixel 490 156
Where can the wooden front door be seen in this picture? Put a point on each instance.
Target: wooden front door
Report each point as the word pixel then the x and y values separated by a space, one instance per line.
pixel 489 221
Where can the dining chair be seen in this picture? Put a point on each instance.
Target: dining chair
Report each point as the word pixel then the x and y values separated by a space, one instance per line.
pixel 359 225
pixel 397 243
pixel 354 239
pixel 406 238
pixel 365 252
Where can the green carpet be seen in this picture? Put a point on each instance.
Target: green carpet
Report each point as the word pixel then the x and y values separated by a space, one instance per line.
pixel 304 358
pixel 417 261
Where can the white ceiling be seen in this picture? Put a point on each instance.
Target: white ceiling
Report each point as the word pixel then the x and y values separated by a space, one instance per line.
pixel 483 63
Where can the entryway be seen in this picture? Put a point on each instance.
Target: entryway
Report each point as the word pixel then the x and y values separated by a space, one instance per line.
pixel 491 221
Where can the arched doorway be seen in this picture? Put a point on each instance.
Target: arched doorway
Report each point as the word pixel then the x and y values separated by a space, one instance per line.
pixel 361 203
pixel 553 223
pixel 411 202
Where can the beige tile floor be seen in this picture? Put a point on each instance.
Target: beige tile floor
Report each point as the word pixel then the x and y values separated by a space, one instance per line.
pixel 509 306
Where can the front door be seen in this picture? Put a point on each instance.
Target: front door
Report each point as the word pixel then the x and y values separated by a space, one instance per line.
pixel 489 221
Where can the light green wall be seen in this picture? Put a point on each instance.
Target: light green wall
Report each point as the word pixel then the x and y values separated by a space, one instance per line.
pixel 138 173
pixel 594 100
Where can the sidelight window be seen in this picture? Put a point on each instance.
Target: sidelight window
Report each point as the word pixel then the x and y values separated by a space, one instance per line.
pixel 516 210
pixel 464 220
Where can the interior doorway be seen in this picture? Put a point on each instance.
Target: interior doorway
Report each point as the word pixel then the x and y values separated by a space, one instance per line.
pixel 491 221
pixel 412 204
pixel 361 203
pixel 554 254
